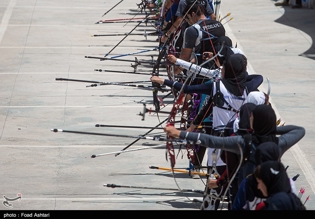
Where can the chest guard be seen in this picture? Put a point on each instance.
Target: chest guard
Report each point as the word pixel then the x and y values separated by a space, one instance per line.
pixel 219 100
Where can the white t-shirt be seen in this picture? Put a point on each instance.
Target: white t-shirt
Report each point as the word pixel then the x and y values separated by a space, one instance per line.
pixel 219 161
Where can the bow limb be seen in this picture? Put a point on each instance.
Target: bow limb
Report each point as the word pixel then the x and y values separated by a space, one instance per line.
pixel 213 196
pixel 171 39
pixel 195 69
pixel 176 106
pixel 214 74
pixel 155 72
pixel 171 121
pixel 268 92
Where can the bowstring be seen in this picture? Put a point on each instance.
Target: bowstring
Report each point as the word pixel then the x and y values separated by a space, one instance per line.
pixel 174 35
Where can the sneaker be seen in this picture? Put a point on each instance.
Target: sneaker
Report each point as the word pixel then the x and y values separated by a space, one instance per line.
pixel 195 176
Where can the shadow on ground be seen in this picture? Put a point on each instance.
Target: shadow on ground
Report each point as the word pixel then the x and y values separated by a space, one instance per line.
pixel 302 19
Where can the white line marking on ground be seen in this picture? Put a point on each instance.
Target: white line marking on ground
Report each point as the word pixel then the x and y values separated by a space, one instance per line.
pixel 70 74
pixel 69 146
pixel 59 47
pixel 62 7
pixel 306 167
pixel 109 199
pixel 6 17
pixel 49 47
pixel 55 25
pixel 120 106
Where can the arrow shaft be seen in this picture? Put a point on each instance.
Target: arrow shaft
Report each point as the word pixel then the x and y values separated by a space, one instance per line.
pixel 221 19
pixel 125 72
pixel 124 126
pixel 76 80
pixel 126 83
pixel 129 85
pixel 154 138
pixel 154 188
pixel 179 170
pixel 123 19
pixel 122 60
pixel 101 134
pixel 131 21
pixel 123 34
pixel 100 82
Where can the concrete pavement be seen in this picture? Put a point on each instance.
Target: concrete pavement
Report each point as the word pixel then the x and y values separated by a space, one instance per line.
pixel 44 40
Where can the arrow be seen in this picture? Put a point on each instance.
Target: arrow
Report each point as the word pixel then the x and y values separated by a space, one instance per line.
pixel 148 20
pixel 123 19
pixel 307 198
pixel 133 53
pixel 141 187
pixel 125 72
pixel 145 34
pixel 179 170
pixel 122 60
pixel 154 137
pixel 130 85
pixel 99 82
pixel 221 19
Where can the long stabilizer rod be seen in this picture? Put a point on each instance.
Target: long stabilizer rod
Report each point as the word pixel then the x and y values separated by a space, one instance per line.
pixel 125 126
pixel 122 60
pixel 126 72
pixel 153 188
pixel 99 82
pixel 154 138
pixel 179 170
pixel 111 8
pixel 145 34
pixel 125 151
pixel 148 132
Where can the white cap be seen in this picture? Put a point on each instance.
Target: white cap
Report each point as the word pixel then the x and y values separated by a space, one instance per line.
pixel 256 97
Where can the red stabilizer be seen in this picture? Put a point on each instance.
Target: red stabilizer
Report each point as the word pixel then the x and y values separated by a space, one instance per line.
pixel 161 101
